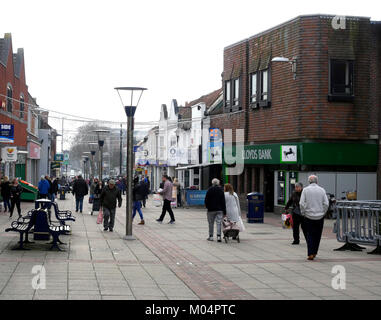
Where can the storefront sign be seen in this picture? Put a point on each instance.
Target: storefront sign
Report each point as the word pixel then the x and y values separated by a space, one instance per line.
pixel 7 133
pixel 288 154
pixel 9 154
pixel 55 165
pixel 59 157
pixel 34 151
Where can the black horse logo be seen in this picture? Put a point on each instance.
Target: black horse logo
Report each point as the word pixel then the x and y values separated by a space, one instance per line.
pixel 289 153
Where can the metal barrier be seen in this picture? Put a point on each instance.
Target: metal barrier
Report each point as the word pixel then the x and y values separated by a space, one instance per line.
pixel 358 222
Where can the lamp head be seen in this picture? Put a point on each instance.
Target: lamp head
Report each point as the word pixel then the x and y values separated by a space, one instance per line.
pixel 130 98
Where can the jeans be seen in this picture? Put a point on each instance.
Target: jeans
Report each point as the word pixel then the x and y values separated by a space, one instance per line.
pixel 297 222
pixel 137 206
pixel 108 214
pixel 53 197
pixel 6 204
pixel 214 216
pixel 313 230
pixel 167 207
pixel 79 203
pixel 15 202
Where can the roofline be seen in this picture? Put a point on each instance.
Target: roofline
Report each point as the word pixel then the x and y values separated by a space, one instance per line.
pixel 289 22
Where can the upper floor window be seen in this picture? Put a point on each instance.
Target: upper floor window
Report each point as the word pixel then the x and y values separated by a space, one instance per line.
pixel 264 84
pixel 22 107
pixel 9 98
pixel 341 80
pixel 227 94
pixel 236 92
pixel 253 89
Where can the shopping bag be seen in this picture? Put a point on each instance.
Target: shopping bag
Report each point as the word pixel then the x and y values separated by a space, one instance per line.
pixel 287 221
pixel 100 217
pixel 156 200
pixel 241 225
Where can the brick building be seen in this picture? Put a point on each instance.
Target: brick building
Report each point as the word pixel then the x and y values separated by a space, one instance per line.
pixel 316 113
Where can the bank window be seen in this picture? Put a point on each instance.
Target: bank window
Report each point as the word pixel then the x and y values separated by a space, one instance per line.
pixel 253 89
pixel 236 92
pixel 264 85
pixel 9 98
pixel 341 80
pixel 227 94
pixel 22 107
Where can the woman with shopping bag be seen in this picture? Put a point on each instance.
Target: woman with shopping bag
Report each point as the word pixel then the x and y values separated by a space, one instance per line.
pixel 233 208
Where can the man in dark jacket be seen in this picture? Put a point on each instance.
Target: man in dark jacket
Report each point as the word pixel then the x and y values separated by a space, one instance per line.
pixel 138 195
pixel 109 196
pixel 215 204
pixel 297 217
pixel 80 189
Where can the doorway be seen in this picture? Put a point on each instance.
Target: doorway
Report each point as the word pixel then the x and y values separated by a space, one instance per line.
pixel 269 189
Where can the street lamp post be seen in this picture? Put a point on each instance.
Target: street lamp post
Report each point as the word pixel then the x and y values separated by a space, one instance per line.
pixel 101 134
pixel 127 94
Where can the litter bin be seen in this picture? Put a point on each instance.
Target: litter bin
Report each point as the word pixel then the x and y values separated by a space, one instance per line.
pixel 62 193
pixel 255 208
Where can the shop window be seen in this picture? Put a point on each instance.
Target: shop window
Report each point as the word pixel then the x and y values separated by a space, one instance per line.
pixel 341 81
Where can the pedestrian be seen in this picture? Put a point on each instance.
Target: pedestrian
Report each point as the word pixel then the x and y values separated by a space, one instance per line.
pixel 54 189
pixel 138 194
pixel 124 184
pixel 216 206
pixel 313 206
pixel 145 184
pixel 233 207
pixel 43 188
pixel 80 189
pixel 167 199
pixel 297 217
pixel 6 193
pixel 176 184
pixel 98 188
pixel 16 191
pixel 47 178
pixel 109 196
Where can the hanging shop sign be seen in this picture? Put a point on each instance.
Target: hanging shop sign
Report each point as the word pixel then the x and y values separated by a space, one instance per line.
pixel 9 154
pixel 7 133
pixel 59 157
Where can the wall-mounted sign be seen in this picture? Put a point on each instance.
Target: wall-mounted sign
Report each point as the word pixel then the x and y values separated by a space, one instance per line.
pixel 7 133
pixel 55 165
pixel 59 157
pixel 288 154
pixel 9 154
pixel 34 151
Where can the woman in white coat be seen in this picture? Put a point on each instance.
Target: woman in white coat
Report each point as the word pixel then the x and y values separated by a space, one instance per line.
pixel 233 208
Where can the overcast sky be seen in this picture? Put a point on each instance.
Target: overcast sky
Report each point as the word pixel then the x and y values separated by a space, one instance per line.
pixel 76 52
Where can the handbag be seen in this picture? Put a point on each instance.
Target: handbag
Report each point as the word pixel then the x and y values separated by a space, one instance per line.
pixel 287 222
pixel 100 216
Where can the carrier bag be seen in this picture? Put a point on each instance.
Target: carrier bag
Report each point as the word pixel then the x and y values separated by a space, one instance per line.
pixel 100 217
pixel 287 221
pixel 156 200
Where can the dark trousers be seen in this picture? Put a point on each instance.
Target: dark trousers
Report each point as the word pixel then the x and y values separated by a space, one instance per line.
pixel 297 222
pixel 6 204
pixel 313 230
pixel 15 202
pixel 167 207
pixel 78 203
pixel 179 199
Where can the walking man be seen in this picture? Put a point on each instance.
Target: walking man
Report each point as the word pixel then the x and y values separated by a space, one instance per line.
pixel 167 199
pixel 296 214
pixel 16 191
pixel 43 188
pixel 80 189
pixel 109 196
pixel 313 206
pixel 138 194
pixel 216 206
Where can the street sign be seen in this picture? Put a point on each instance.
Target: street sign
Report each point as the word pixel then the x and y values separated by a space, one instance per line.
pixel 55 165
pixel 59 157
pixel 66 156
pixel 9 154
pixel 7 133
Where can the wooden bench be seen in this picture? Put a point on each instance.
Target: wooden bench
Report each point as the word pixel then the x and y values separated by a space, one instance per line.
pixel 23 225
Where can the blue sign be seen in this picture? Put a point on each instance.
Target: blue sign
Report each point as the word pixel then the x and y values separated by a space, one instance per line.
pixel 195 197
pixel 7 133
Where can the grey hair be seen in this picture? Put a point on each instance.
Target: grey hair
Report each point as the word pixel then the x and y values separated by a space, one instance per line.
pixel 215 182
pixel 313 179
pixel 299 184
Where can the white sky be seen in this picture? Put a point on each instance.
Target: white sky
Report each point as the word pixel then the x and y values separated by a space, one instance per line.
pixel 76 52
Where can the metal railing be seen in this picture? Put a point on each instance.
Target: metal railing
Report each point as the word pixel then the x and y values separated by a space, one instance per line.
pixel 358 222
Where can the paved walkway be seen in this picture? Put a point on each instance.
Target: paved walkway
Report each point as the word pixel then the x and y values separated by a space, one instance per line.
pixel 176 262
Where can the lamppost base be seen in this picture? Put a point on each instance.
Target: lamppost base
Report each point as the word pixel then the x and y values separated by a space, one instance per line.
pixel 131 237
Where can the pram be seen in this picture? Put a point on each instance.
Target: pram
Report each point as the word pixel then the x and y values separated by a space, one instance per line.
pixel 230 230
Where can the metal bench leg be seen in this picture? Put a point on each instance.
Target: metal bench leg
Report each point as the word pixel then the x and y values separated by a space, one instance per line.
pixel 26 238
pixel 21 242
pixel 54 243
pixel 377 250
pixel 350 247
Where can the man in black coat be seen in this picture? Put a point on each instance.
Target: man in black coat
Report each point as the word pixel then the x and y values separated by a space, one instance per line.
pixel 80 189
pixel 215 204
pixel 109 196
pixel 297 217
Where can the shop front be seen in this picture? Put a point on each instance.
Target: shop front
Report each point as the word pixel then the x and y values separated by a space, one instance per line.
pixel 341 168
